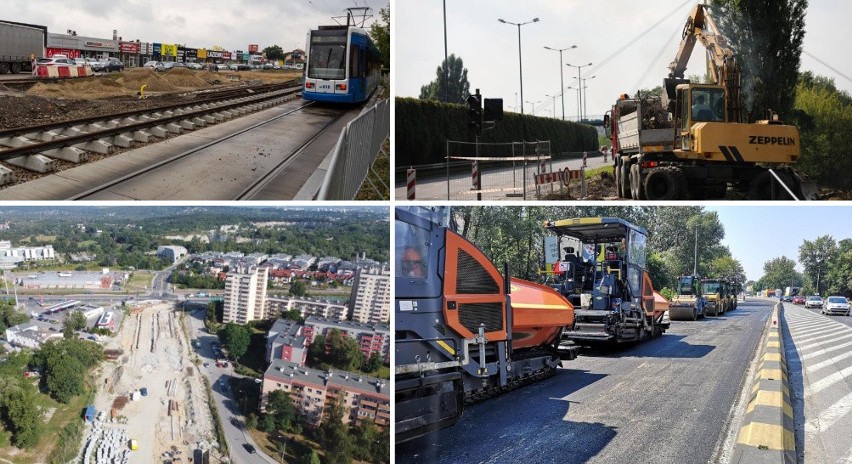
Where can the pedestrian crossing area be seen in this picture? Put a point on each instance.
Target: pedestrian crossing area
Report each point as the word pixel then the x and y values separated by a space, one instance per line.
pixel 819 357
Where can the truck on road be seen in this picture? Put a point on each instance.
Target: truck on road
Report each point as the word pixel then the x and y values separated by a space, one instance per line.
pixel 20 43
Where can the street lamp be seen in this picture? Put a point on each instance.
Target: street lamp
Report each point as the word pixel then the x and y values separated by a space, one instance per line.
pixel 583 86
pixel 533 107
pixel 554 106
pixel 561 77
pixel 520 62
pixel 446 64
pixel 580 90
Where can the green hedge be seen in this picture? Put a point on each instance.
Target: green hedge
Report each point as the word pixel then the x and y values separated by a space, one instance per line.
pixel 424 126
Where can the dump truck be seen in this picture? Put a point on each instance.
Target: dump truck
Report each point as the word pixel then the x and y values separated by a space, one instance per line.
pixel 603 275
pixel 464 331
pixel 688 303
pixel 693 142
pixel 20 43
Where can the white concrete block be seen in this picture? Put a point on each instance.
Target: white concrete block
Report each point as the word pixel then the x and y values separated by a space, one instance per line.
pixel 188 125
pixel 199 122
pixel 157 131
pixel 7 176
pixel 122 140
pixel 71 154
pixel 141 136
pixel 173 128
pixel 35 163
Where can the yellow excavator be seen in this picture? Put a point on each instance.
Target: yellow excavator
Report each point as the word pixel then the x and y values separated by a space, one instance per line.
pixel 692 142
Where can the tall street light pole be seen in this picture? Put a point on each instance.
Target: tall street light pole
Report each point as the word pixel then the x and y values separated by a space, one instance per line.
pixel 583 86
pixel 554 106
pixel 446 64
pixel 533 107
pixel 580 90
pixel 561 75
pixel 520 61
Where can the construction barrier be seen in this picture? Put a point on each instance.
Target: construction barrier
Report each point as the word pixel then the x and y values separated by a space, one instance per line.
pixel 768 430
pixel 411 174
pixel 53 71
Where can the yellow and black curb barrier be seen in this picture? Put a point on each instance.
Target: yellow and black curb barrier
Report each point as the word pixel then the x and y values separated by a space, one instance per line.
pixel 768 430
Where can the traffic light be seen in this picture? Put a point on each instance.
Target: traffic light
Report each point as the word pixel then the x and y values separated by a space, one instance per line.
pixel 474 112
pixel 493 109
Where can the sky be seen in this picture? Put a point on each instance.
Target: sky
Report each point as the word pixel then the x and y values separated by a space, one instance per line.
pixel 489 48
pixel 757 234
pixel 231 24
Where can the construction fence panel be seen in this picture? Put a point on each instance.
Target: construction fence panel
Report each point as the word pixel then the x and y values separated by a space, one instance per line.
pixel 355 152
pixel 497 171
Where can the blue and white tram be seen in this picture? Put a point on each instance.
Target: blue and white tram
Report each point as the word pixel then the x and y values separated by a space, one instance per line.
pixel 344 66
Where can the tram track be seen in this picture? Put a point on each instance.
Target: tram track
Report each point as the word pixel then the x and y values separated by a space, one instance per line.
pixel 34 151
pixel 248 192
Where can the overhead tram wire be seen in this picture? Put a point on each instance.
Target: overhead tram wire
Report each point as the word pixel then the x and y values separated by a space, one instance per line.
pixel 655 60
pixel 826 65
pixel 636 39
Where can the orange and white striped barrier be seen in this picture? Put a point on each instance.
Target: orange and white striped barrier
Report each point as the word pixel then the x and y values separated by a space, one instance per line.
pixel 51 71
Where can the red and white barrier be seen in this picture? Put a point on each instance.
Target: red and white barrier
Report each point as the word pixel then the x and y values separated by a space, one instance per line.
pixel 50 71
pixel 411 174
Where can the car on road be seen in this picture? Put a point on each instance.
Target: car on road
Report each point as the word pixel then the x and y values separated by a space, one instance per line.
pixel 249 448
pixel 787 298
pixel 236 422
pixel 799 300
pixel 836 305
pixel 813 302
pixel 206 364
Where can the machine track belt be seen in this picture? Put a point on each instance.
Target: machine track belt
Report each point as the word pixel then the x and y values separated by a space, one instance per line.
pixel 475 396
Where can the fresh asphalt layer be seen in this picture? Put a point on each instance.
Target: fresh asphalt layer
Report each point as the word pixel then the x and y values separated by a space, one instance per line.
pixel 668 400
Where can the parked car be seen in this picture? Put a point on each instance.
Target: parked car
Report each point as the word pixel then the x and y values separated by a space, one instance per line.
pixel 249 448
pixel 56 62
pixel 813 302
pixel 109 65
pixel 222 67
pixel 155 65
pixel 193 65
pixel 836 305
pixel 799 300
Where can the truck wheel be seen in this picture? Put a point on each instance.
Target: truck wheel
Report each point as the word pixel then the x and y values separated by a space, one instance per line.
pixel 16 68
pixel 625 179
pixel 664 183
pixel 617 173
pixel 4 68
pixel 761 186
pixel 637 190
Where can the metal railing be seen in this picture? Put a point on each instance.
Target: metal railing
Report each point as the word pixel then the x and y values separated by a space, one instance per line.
pixel 356 150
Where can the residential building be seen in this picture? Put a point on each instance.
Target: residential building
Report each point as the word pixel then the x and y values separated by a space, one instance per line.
pixel 371 338
pixel 308 307
pixel 245 296
pixel 285 341
pixel 363 398
pixel 371 296
pixel 171 252
pixel 10 256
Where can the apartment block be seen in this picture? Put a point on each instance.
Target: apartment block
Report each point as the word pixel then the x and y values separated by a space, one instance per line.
pixel 363 398
pixel 371 296
pixel 245 296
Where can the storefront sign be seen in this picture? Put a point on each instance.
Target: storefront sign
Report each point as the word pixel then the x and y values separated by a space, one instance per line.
pixel 252 48
pixel 128 47
pixel 62 51
pixel 168 50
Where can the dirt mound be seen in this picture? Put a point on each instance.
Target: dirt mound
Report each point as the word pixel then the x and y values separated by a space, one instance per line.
pixel 135 78
pixel 185 78
pixel 80 89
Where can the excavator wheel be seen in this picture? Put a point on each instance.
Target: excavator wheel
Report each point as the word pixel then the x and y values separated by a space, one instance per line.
pixel 665 183
pixel 761 186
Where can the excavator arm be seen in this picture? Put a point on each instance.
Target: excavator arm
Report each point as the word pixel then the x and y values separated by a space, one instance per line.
pixel 721 61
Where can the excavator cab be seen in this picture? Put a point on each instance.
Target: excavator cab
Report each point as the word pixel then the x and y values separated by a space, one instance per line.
pixel 696 103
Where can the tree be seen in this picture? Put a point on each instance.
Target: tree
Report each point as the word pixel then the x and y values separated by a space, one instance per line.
pixel 380 32
pixel 64 378
pixel 274 52
pixel 815 257
pixel 237 338
pixel 344 352
pixel 823 115
pixel 778 273
pixel 281 409
pixel 767 38
pixel 297 288
pixel 314 458
pixel 839 276
pixel 373 363
pixel 334 435
pixel 77 320
pixel 458 89
pixel 23 417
